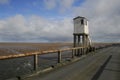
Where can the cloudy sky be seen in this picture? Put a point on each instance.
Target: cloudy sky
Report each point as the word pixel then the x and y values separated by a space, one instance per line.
pixel 52 20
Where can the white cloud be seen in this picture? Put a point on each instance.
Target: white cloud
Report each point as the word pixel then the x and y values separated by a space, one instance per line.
pixel 35 28
pixel 62 5
pixel 50 4
pixel 4 1
pixel 103 16
pixel 65 5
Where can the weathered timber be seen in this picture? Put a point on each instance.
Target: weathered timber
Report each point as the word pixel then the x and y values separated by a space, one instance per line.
pixel 59 56
pixel 38 53
pixel 36 62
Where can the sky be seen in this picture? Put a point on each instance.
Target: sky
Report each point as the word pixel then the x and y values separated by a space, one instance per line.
pixel 52 20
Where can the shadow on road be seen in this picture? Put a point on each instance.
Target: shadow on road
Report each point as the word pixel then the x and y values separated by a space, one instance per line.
pixel 98 73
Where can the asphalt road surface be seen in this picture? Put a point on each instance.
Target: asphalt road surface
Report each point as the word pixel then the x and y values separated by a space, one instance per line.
pixel 103 65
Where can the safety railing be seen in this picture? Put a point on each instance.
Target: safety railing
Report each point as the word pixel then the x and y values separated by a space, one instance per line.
pixel 37 53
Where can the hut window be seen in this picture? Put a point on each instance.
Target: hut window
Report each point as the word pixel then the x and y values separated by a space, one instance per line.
pixel 82 22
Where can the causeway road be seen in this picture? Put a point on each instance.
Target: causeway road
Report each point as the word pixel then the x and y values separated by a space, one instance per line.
pixel 104 64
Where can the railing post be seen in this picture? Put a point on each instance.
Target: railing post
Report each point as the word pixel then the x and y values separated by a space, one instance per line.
pixel 73 53
pixel 87 50
pixel 82 51
pixel 35 62
pixel 59 56
pixel 78 52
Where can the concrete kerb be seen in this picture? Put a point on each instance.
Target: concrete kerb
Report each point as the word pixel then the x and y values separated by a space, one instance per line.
pixel 13 79
pixel 58 65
